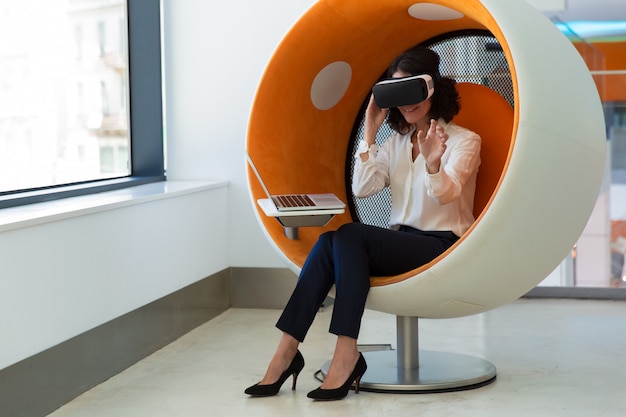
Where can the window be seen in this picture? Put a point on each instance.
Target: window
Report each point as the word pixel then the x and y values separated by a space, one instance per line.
pixel 80 100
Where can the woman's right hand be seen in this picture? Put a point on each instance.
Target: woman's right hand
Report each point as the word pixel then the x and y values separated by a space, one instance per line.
pixel 374 118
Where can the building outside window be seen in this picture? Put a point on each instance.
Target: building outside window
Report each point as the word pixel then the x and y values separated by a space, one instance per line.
pixel 63 92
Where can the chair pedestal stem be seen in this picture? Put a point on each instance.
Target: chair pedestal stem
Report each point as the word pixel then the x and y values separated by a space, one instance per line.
pixel 408 342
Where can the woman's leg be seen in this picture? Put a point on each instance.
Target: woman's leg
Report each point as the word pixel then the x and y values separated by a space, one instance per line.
pixel 345 258
pixel 361 251
pixel 284 354
pixel 316 279
pixel 358 252
pixel 344 360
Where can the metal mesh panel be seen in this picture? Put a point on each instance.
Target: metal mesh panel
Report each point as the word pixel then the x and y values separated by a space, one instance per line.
pixel 468 57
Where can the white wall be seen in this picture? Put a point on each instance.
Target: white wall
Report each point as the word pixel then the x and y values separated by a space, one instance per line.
pixel 215 55
pixel 62 278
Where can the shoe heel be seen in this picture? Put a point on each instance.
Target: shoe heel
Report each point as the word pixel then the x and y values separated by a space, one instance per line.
pixel 295 379
pixel 357 383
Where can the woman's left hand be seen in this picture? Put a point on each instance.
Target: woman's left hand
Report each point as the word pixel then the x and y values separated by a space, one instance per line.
pixel 432 145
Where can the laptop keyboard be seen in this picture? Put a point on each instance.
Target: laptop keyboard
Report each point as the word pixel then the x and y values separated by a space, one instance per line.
pixel 294 200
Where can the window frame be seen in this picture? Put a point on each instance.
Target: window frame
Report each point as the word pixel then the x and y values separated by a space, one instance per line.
pixel 147 139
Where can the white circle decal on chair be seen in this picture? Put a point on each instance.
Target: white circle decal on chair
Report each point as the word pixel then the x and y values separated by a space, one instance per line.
pixel 330 85
pixel 429 11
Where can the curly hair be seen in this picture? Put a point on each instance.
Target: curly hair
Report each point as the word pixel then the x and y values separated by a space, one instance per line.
pixel 445 99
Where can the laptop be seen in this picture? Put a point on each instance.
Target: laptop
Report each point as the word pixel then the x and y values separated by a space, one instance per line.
pixel 298 202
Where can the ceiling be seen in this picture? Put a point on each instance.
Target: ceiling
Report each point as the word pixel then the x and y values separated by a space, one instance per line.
pixel 591 19
pixel 597 10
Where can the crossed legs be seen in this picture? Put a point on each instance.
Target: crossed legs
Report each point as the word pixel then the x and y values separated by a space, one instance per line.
pixel 345 258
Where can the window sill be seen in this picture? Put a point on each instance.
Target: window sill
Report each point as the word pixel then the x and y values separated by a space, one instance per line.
pixel 33 214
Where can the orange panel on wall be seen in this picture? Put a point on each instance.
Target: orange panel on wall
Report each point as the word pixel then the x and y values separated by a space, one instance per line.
pixel 607 56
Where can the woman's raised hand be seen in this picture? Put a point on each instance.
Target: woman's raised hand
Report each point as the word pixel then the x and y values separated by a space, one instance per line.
pixel 374 118
pixel 432 145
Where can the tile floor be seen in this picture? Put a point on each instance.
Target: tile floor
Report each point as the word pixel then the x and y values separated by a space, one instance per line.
pixel 554 358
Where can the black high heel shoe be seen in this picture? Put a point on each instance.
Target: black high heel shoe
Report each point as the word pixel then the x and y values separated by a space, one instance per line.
pixel 267 390
pixel 342 391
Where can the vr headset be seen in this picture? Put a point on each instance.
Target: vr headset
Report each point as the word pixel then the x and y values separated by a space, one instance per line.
pixel 395 92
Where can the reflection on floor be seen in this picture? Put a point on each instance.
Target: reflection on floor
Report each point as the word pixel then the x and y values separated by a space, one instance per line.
pixel 554 358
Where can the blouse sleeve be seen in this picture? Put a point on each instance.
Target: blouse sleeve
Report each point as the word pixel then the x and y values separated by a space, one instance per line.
pixel 371 176
pixel 446 185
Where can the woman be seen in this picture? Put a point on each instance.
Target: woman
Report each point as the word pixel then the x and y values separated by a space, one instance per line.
pixel 430 165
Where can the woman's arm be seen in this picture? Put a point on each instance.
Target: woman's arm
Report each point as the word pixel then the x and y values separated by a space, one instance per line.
pixel 447 184
pixel 371 170
pixel 372 175
pixel 374 119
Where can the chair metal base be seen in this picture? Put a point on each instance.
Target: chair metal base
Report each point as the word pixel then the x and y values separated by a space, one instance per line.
pixel 411 370
pixel 437 372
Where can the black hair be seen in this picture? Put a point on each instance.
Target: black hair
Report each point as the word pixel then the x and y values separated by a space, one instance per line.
pixel 445 99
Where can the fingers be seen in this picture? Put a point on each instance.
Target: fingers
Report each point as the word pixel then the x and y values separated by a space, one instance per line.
pixel 442 137
pixel 421 136
pixel 374 119
pixel 372 107
pixel 435 133
pixel 372 104
pixel 433 126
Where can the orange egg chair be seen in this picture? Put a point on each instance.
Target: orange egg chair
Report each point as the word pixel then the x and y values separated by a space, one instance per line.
pixel 301 133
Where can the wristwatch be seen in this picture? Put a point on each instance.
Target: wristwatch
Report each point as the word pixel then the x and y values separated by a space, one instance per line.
pixel 364 147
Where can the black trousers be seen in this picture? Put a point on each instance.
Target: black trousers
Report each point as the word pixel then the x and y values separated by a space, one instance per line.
pixel 347 258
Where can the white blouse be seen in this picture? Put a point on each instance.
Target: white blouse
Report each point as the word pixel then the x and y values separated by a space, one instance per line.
pixel 443 201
